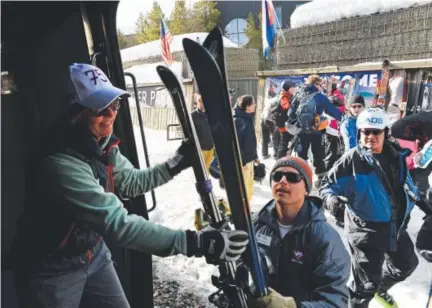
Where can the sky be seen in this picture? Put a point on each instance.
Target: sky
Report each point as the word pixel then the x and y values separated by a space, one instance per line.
pixel 128 11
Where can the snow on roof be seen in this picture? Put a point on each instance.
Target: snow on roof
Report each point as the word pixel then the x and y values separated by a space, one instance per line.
pixel 322 11
pixel 153 48
pixel 146 73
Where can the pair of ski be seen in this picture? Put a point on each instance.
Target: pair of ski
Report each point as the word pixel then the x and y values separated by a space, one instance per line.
pixel 208 64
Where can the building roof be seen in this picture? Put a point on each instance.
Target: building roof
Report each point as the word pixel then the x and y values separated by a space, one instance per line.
pixel 146 73
pixel 151 49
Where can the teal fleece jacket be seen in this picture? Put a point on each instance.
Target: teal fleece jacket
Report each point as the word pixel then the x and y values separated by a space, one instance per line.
pixel 71 182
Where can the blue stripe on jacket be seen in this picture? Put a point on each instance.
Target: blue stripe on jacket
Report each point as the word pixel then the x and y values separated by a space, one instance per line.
pixel 355 177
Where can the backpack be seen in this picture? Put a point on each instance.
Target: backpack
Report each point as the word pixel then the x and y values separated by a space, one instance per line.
pixel 303 110
pixel 276 113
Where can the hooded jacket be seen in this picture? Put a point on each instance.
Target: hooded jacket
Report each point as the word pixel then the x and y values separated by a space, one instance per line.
pixel 244 124
pixel 311 263
pixel 357 176
pixel 76 186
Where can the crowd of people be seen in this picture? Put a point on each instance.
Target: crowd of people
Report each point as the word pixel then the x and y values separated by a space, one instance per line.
pixel 363 181
pixel 81 173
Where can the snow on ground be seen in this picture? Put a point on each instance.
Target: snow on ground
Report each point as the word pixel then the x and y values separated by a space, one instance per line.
pixel 177 200
pixel 312 13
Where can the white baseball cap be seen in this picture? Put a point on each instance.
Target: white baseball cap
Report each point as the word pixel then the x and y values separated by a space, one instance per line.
pixel 91 88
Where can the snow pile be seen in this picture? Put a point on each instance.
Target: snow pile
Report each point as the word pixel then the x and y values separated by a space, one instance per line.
pixel 177 200
pixel 322 11
pixel 146 73
pixel 153 48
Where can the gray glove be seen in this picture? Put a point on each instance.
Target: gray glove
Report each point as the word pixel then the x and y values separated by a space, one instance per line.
pixel 217 246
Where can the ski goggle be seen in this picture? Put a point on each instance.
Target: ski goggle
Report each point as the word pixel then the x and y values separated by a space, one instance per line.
pixel 291 177
pixel 375 132
pixel 114 106
pixel 423 158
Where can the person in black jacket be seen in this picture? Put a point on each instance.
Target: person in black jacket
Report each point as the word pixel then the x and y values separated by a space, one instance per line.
pixel 244 122
pixel 278 109
pixel 308 264
pixel 203 131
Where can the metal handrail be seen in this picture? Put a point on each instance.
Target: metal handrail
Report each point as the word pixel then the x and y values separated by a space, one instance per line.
pixel 141 125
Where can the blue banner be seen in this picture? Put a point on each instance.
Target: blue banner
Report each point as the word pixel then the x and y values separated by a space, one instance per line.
pixel 366 86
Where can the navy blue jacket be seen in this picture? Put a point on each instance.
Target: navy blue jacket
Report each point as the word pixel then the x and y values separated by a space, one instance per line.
pixel 244 123
pixel 311 262
pixel 357 177
pixel 349 132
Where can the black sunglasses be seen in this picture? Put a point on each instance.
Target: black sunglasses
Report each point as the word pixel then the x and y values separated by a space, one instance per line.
pixel 375 132
pixel 291 177
pixel 114 106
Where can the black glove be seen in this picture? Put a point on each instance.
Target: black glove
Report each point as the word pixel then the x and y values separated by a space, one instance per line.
pixel 183 157
pixel 217 246
pixel 336 205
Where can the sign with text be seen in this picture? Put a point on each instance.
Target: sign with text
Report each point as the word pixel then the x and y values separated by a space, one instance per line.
pixel 366 86
pixel 152 96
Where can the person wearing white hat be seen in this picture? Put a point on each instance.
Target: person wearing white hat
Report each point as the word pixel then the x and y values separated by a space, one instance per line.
pixel 64 261
pixel 371 181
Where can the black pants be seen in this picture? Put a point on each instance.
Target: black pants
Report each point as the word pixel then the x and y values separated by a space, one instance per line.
pixel 266 132
pixel 331 151
pixel 276 141
pixel 374 267
pixel 282 148
pixel 316 141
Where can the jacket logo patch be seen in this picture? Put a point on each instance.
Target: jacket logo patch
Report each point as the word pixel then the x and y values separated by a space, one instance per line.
pixel 263 239
pixel 297 257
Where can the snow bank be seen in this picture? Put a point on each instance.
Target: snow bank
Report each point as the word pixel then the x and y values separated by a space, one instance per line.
pixel 153 48
pixel 322 11
pixel 146 73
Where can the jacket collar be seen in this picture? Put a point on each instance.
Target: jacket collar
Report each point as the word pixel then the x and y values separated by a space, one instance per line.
pixel 80 139
pixel 391 148
pixel 238 112
pixel 311 211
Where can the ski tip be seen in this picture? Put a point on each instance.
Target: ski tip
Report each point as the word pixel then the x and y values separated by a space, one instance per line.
pixel 161 69
pixel 187 43
pixel 215 33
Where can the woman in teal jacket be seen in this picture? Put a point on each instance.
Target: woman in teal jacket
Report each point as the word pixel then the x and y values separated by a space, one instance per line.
pixel 76 207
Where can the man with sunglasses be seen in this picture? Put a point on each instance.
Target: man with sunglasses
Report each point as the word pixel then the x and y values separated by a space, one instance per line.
pixel 307 262
pixel 349 126
pixel 64 262
pixel 373 182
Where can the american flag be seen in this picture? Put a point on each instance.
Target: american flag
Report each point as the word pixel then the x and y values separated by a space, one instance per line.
pixel 166 39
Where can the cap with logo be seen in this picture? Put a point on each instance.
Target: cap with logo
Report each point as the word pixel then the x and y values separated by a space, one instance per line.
pixel 91 88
